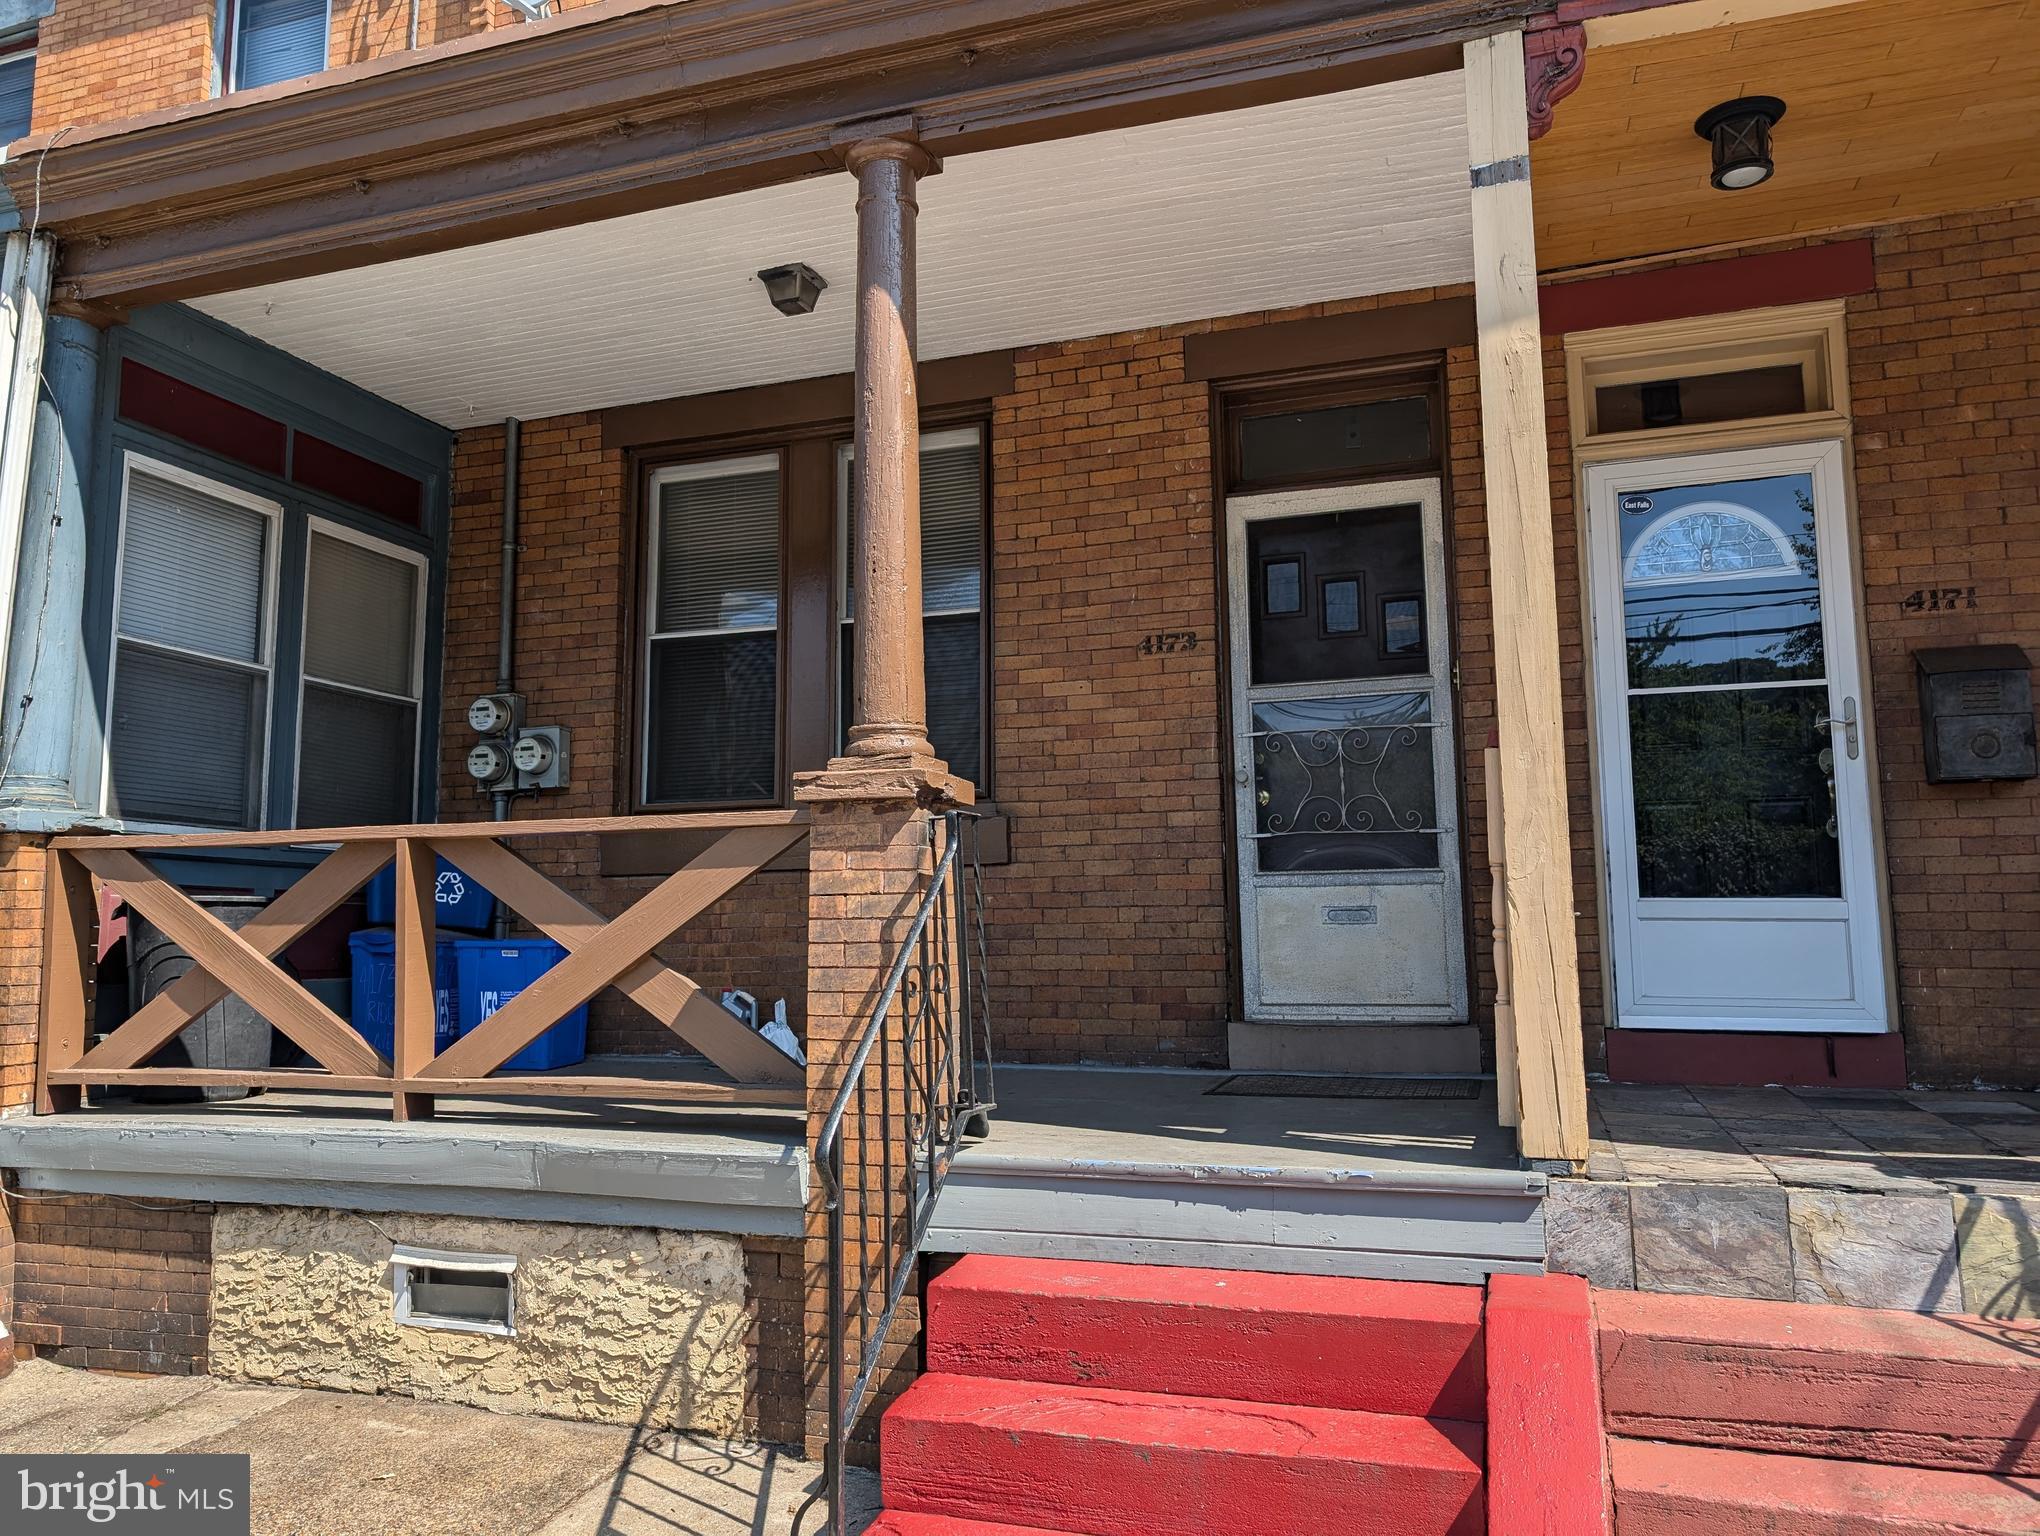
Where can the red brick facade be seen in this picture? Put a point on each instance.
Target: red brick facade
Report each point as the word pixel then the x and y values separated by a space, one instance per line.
pixel 98 60
pixel 113 1284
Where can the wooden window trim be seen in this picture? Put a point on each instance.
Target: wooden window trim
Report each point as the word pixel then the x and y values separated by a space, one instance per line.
pixel 808 595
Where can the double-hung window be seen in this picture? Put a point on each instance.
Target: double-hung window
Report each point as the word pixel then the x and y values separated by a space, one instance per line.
pixel 362 680
pixel 952 591
pixel 711 662
pixel 17 88
pixel 194 636
pixel 274 40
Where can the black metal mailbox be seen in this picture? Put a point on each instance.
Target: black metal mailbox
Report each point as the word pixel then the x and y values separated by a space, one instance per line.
pixel 1976 713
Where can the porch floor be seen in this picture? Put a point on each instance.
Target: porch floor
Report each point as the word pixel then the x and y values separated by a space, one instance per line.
pixel 1152 1166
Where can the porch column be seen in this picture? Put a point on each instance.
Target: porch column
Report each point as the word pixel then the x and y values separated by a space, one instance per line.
pixel 1535 830
pixel 45 647
pixel 869 843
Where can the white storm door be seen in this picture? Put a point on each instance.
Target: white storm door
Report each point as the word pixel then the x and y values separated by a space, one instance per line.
pixel 1734 764
pixel 1345 788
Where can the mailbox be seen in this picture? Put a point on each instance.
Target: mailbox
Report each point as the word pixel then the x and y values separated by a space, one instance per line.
pixel 1976 713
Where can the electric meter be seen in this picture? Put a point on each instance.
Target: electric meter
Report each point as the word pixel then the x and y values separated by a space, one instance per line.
pixel 488 763
pixel 493 714
pixel 533 754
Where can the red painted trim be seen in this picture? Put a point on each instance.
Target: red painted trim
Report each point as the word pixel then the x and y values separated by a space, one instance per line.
pixel 202 418
pixel 1547 1468
pixel 1729 1059
pixel 1710 288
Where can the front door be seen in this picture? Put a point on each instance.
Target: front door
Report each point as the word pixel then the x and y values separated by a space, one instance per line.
pixel 1734 770
pixel 1345 795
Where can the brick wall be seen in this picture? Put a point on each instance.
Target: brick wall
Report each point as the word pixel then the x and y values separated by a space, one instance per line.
pixel 113 1284
pixel 97 60
pixel 21 884
pixel 1945 377
pixel 775 1271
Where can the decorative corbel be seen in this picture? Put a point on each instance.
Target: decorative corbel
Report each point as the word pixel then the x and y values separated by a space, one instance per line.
pixel 1554 62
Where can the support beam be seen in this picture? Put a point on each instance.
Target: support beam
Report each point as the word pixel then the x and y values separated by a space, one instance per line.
pixel 1529 712
pixel 890 673
pixel 415 1028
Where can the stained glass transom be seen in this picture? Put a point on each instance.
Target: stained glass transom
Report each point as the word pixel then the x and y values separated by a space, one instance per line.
pixel 1715 540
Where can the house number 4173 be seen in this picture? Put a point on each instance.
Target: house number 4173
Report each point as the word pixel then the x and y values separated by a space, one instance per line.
pixel 1167 642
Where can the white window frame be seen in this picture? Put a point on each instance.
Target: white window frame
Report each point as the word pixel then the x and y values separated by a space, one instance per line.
pixel 315 525
pixel 846 455
pixel 406 1258
pixel 705 469
pixel 230 77
pixel 265 667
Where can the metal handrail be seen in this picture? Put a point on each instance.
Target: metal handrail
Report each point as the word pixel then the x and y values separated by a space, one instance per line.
pixel 936 981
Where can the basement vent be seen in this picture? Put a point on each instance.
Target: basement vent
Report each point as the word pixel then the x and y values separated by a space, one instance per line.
pixel 1300 1085
pixel 465 1292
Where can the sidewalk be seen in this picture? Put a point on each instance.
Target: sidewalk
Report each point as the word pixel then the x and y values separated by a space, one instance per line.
pixel 341 1464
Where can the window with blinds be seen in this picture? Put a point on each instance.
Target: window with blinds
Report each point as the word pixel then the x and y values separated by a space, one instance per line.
pixel 358 722
pixel 17 93
pixel 278 40
pixel 188 732
pixel 952 592
pixel 712 637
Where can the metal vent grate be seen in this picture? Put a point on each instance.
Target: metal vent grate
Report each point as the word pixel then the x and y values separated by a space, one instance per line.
pixel 1298 1085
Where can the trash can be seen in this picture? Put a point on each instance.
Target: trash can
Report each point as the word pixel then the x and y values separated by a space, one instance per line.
pixel 458 904
pixel 229 1035
pixel 492 971
pixel 373 1005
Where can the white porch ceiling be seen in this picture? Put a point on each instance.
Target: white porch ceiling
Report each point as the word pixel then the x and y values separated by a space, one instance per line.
pixel 1334 196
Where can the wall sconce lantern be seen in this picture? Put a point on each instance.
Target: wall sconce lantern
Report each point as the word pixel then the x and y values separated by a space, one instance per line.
pixel 794 290
pixel 1740 132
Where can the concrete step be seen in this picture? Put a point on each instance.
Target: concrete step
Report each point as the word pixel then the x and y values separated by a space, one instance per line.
pixel 1369 1346
pixel 1097 1462
pixel 893 1523
pixel 1955 1393
pixel 1690 1490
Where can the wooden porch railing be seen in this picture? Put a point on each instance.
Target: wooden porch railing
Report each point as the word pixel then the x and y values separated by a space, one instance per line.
pixel 601 952
pixel 1508 1091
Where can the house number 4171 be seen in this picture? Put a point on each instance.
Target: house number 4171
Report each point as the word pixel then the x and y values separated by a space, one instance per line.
pixel 1938 599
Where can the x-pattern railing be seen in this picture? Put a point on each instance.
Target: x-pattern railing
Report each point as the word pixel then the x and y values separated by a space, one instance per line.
pixel 601 952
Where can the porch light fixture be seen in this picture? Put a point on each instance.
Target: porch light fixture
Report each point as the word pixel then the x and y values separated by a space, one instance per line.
pixel 794 290
pixel 1740 132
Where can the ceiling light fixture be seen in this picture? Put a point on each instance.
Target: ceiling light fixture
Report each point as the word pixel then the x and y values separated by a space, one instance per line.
pixel 1740 132
pixel 794 290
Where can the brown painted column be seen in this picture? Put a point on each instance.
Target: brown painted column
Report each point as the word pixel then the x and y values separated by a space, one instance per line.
pixel 872 838
pixel 891 710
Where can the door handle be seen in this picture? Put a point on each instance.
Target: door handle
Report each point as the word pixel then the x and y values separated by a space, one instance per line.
pixel 1851 738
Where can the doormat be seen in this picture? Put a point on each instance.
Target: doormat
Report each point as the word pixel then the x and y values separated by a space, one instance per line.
pixel 1300 1085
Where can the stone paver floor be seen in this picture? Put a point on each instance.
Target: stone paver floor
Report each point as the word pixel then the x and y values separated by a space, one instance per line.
pixel 344 1464
pixel 1872 1141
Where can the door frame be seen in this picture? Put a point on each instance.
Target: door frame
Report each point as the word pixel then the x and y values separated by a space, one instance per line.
pixel 1239 509
pixel 1601 484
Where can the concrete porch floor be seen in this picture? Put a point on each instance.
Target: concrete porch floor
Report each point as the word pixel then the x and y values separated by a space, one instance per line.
pixel 344 1464
pixel 1907 1199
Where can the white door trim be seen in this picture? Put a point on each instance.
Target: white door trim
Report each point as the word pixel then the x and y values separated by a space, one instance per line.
pixel 1241 510
pixel 1869 1010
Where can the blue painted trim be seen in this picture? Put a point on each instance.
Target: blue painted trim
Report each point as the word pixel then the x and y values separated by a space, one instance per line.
pixel 215 357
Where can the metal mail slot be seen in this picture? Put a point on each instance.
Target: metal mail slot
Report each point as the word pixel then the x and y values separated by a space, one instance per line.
pixel 1976 714
pixel 1353 917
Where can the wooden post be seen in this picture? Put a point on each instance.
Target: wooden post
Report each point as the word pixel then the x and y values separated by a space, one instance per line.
pixel 891 709
pixel 1507 1095
pixel 417 1010
pixel 69 919
pixel 1543 945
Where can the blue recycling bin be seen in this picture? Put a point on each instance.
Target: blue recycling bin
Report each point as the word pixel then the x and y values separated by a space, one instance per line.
pixel 373 1007
pixel 492 971
pixel 459 904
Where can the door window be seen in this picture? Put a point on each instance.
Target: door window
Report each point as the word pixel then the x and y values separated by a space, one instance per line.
pixel 1346 783
pixel 1731 759
pixel 1339 596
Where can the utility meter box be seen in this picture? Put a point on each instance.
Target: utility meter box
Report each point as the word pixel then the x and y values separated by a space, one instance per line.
pixel 1976 713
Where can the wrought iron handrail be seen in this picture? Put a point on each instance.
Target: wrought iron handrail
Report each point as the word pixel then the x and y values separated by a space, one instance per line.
pixel 929 1033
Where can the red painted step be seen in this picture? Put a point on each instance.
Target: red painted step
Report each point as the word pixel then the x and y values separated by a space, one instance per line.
pixel 1691 1490
pixel 1899 1387
pixel 1099 1462
pixel 897 1524
pixel 1371 1346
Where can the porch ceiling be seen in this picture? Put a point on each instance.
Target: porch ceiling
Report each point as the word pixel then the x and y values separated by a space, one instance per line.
pixel 1333 196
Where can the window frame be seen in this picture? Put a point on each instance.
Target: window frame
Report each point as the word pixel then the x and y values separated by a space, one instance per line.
pixel 272 567
pixel 1242 403
pixel 842 455
pixel 230 49
pixel 316 525
pixel 699 466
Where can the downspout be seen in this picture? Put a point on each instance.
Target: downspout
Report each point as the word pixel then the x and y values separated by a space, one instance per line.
pixel 506 610
pixel 413 44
